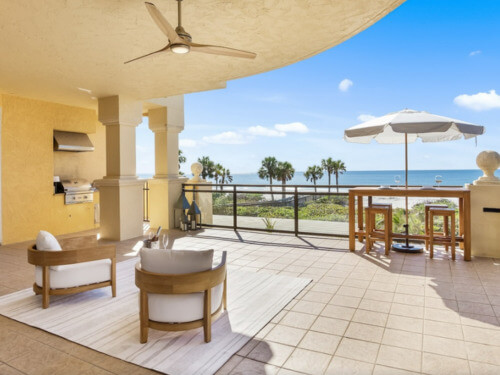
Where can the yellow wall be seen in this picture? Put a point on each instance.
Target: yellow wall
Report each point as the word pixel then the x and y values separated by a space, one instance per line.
pixel 28 164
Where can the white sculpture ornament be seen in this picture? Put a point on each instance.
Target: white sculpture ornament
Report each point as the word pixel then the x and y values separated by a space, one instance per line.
pixel 196 169
pixel 488 162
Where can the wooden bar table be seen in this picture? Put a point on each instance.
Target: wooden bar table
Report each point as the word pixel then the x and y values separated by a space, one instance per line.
pixel 462 194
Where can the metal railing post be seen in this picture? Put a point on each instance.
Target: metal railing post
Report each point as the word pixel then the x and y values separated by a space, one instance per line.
pixel 296 211
pixel 235 209
pixel 145 200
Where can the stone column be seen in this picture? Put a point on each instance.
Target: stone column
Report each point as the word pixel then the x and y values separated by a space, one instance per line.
pixel 485 207
pixel 120 190
pixel 166 187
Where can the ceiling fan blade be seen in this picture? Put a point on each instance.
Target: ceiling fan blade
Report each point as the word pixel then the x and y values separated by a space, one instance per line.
pixel 164 49
pixel 217 50
pixel 162 23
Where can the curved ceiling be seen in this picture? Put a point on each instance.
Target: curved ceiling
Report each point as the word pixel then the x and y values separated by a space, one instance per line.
pixel 69 51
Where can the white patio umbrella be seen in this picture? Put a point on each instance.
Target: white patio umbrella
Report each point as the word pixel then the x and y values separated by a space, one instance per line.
pixel 407 126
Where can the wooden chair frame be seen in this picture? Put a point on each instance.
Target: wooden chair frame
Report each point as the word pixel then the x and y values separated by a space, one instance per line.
pixel 196 282
pixel 74 250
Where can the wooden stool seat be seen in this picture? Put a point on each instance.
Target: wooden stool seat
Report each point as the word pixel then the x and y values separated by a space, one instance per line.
pixel 376 234
pixel 446 238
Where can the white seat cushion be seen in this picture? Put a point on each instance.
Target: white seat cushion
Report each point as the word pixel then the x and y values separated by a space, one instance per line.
pixel 77 274
pixel 178 308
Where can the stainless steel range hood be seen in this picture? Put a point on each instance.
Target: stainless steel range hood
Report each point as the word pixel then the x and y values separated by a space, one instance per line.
pixel 70 141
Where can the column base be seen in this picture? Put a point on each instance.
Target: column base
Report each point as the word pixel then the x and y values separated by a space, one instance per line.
pixel 121 208
pixel 163 194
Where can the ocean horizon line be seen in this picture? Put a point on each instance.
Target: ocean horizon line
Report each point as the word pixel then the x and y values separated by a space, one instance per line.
pixel 382 170
pixel 452 177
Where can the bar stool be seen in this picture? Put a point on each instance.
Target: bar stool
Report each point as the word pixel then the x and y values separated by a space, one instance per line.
pixel 375 234
pixel 449 233
pixel 427 207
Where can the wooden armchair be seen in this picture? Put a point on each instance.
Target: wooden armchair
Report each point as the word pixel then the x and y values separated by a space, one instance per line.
pixel 181 301
pixel 81 265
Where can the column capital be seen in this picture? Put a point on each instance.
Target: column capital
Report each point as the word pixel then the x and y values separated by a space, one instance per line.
pixel 119 110
pixel 169 118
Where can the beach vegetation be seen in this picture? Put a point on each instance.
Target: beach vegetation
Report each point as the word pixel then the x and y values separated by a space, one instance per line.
pixel 269 223
pixel 327 208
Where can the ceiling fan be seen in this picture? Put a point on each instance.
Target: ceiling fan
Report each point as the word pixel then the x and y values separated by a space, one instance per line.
pixel 179 40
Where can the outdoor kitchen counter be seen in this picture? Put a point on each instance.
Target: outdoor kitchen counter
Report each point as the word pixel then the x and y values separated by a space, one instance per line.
pixel 462 194
pixel 70 218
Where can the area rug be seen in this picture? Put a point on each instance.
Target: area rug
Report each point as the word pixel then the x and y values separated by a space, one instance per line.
pixel 111 325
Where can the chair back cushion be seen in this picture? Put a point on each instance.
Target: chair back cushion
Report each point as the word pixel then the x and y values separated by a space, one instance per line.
pixel 174 262
pixel 46 241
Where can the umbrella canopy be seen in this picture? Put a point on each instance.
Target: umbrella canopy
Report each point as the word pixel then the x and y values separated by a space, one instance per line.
pixel 407 126
pixel 393 127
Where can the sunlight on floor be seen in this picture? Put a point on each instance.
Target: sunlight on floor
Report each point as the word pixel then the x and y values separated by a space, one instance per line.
pixel 135 249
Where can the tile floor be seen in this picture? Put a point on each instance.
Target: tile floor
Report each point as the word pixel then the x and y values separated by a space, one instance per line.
pixel 361 314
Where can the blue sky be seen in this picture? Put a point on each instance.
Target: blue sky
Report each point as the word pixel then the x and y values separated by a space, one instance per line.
pixel 422 56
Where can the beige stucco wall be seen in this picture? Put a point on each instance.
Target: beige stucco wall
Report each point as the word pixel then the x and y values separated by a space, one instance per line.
pixel 29 162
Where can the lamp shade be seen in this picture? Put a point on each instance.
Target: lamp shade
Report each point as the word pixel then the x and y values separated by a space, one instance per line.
pixel 194 209
pixel 182 203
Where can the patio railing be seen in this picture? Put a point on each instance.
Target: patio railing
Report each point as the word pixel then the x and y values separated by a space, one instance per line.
pixel 296 209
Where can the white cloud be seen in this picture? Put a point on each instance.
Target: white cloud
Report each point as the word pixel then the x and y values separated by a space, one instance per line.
pixel 365 117
pixel 345 85
pixel 186 142
pixel 474 53
pixel 266 132
pixel 227 138
pixel 482 101
pixel 293 127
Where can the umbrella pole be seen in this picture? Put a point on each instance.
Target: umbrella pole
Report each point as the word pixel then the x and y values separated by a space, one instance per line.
pixel 406 248
pixel 406 187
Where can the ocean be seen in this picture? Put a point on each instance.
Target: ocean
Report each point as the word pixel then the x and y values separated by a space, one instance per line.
pixel 422 177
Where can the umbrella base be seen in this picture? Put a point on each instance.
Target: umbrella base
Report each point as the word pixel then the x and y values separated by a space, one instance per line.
pixel 403 248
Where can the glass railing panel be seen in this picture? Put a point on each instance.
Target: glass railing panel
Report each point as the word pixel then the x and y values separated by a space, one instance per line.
pixel 222 212
pixel 265 211
pixel 323 214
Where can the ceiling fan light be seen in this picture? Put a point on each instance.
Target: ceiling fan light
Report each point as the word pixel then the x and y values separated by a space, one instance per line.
pixel 180 48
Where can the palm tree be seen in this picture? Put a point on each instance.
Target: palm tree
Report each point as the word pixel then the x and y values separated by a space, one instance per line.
pixel 182 159
pixel 338 168
pixel 284 173
pixel 268 171
pixel 313 174
pixel 328 165
pixel 227 178
pixel 208 167
pixel 218 171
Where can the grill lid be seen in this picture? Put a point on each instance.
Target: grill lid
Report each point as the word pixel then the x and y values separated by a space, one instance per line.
pixel 76 184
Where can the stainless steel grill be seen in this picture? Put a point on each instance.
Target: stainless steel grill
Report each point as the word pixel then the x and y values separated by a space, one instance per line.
pixel 77 191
